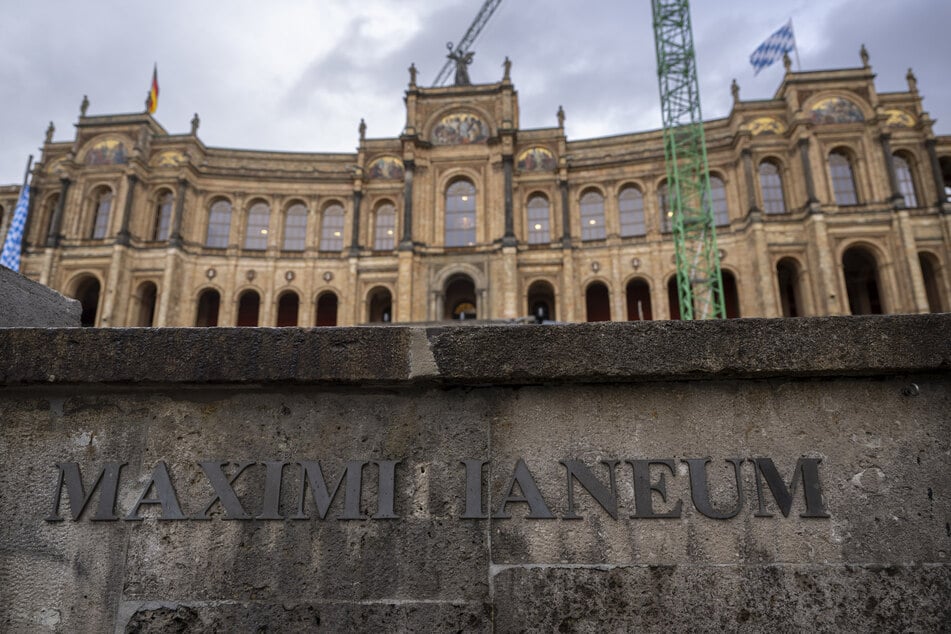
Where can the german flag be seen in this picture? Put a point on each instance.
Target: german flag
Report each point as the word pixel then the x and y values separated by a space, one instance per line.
pixel 151 104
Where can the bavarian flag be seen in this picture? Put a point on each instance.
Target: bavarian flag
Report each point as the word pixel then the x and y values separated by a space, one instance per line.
pixel 152 101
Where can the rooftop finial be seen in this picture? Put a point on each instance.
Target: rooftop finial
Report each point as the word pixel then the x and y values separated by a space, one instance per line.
pixel 363 130
pixel 412 75
pixel 49 132
pixel 912 81
pixel 84 106
pixel 735 89
pixel 561 117
pixel 507 65
pixel 863 53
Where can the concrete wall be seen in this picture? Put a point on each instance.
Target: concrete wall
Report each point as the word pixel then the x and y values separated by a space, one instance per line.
pixel 25 303
pixel 863 402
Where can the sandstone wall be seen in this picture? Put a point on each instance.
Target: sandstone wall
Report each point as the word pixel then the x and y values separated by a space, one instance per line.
pixel 858 408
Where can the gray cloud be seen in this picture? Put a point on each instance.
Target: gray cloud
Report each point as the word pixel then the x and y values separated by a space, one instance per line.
pixel 289 76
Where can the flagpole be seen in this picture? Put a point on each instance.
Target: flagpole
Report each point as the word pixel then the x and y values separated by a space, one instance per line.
pixel 26 175
pixel 795 46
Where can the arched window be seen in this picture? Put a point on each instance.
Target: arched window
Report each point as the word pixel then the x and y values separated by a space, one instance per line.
pixel 287 309
pixel 592 216
pixel 103 206
pixel 861 282
pixel 931 275
pixel 327 309
pixel 597 302
pixel 843 180
pixel 541 301
pixel 906 182
pixel 638 293
pixel 380 306
pixel 259 217
pixel 43 231
pixel 666 211
pixel 208 304
pixel 295 227
pixel 771 186
pixel 163 215
pixel 630 204
pixel 790 295
pixel 721 214
pixel 87 292
pixel 460 298
pixel 384 228
pixel 538 217
pixel 219 225
pixel 331 228
pixel 249 308
pixel 145 297
pixel 460 214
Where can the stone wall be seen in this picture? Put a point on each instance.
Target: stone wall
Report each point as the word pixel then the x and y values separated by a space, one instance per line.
pixel 825 503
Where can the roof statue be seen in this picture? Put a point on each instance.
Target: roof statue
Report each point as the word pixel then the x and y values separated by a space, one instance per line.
pixel 561 117
pixel 507 64
pixel 84 106
pixel 462 60
pixel 787 63
pixel 863 53
pixel 735 90
pixel 362 129
pixel 49 132
pixel 195 123
pixel 912 81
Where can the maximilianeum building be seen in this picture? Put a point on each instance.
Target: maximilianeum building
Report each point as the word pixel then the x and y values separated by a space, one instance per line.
pixel 830 198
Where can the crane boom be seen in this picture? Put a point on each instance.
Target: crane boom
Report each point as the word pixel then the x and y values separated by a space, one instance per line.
pixel 699 281
pixel 488 8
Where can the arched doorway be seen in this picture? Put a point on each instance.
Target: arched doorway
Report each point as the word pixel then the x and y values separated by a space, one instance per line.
pixel 461 301
pixel 860 269
pixel 597 302
pixel 790 295
pixel 541 301
pixel 731 295
pixel 288 307
pixel 208 304
pixel 931 275
pixel 249 308
pixel 327 309
pixel 380 306
pixel 87 292
pixel 673 298
pixel 145 298
pixel 638 294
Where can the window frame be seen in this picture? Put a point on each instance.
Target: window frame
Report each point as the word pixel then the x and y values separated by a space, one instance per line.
pixel 455 210
pixel 538 212
pixel 332 225
pixel 591 210
pixel 633 217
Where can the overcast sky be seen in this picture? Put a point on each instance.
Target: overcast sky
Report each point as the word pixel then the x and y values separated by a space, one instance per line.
pixel 298 75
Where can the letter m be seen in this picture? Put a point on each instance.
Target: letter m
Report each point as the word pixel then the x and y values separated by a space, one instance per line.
pixel 807 470
pixel 107 481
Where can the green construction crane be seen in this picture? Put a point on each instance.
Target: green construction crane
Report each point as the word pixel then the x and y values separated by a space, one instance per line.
pixel 699 283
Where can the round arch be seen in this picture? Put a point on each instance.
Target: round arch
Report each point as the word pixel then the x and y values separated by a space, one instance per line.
pixel 208 307
pixel 380 305
pixel 288 308
pixel 328 304
pixel 541 299
pixel 87 288
pixel 597 300
pixel 861 268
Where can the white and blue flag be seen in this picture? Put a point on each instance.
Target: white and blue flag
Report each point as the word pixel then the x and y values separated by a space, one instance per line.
pixel 14 242
pixel 775 46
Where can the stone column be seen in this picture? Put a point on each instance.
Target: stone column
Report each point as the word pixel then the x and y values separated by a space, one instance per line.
pixel 936 171
pixel 811 199
pixel 826 268
pixel 508 240
pixel 406 243
pixel 355 237
pixel 906 233
pixel 750 183
pixel 123 236
pixel 56 223
pixel 896 199
pixel 565 215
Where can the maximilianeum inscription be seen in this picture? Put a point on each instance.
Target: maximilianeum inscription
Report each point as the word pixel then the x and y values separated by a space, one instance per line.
pixel 368 490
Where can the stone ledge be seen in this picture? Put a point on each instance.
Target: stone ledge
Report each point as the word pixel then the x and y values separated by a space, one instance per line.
pixel 25 303
pixel 499 355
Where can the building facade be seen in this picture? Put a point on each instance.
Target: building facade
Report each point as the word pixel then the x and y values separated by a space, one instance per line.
pixel 830 198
